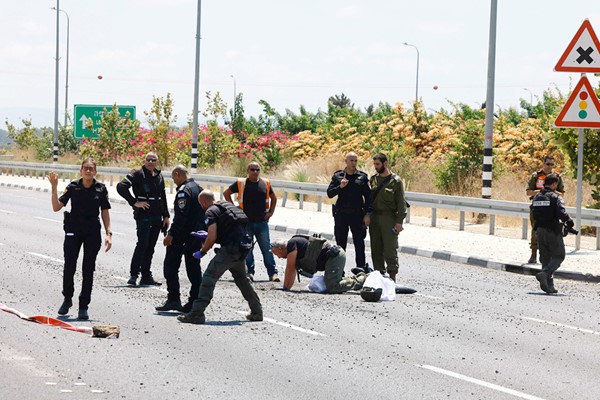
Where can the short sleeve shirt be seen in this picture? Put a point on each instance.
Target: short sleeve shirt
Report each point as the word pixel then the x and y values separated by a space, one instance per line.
pixel 86 202
pixel 254 199
pixel 297 243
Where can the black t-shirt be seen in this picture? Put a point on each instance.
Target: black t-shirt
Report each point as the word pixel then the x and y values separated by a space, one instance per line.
pixel 297 243
pixel 254 199
pixel 85 202
pixel 212 216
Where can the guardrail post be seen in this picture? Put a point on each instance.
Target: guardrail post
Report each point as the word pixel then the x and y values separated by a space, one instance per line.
pixel 111 180
pixel 461 221
pixel 407 219
pixel 284 199
pixel 221 190
pixel 301 201
pixel 319 203
pixel 492 224
pixel 598 238
pixel 525 229
pixel 171 187
pixel 433 217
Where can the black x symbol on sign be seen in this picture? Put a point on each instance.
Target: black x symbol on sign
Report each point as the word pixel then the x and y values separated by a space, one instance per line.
pixel 584 55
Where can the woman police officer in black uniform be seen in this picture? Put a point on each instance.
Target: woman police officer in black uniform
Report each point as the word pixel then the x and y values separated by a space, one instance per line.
pixel 89 198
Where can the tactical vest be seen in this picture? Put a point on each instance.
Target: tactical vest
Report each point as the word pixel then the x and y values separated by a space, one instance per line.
pixel 543 208
pixel 308 263
pixel 230 217
pixel 241 184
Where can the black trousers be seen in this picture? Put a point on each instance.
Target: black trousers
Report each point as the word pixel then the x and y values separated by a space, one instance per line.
pixel 88 236
pixel 148 230
pixel 354 222
pixel 192 267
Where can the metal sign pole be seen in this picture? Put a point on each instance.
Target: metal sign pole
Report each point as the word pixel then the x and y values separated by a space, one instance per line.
pixel 579 187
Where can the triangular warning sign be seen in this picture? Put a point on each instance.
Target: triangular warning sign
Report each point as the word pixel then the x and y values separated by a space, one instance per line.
pixel 583 53
pixel 582 109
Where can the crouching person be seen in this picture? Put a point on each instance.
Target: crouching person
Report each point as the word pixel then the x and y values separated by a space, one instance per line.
pixel 305 255
pixel 226 225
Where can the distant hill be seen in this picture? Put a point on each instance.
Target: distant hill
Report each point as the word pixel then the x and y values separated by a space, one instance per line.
pixel 4 139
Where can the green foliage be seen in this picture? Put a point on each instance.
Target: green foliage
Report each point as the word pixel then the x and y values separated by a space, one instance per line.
pixel 214 143
pixel 24 138
pixel 160 117
pixel 340 101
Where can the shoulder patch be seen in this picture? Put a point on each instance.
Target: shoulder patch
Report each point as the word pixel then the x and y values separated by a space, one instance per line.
pixel 181 203
pixel 180 195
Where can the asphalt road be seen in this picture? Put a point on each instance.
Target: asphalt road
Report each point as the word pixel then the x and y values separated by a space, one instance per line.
pixel 468 333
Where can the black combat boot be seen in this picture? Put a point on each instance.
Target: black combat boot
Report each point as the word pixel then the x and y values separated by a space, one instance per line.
pixel 542 277
pixel 193 317
pixel 64 308
pixel 170 305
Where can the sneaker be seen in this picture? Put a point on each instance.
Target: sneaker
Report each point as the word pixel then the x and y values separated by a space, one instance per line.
pixel 274 278
pixel 149 282
pixel 250 277
pixel 254 317
pixel 64 308
pixel 192 318
pixel 132 280
pixel 83 314
pixel 170 305
pixel 542 277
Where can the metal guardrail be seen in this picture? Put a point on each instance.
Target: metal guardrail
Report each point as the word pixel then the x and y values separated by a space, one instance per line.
pixel 463 205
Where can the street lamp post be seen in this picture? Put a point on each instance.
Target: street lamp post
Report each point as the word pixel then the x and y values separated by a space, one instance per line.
pixel 417 85
pixel 55 147
pixel 530 96
pixel 67 68
pixel 234 98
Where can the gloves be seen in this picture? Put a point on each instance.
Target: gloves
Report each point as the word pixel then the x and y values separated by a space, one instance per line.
pixel 570 223
pixel 198 255
pixel 200 234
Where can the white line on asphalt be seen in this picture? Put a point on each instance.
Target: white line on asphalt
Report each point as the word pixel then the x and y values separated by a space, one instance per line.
pixel 47 219
pixel 575 328
pixel 428 296
pixel 285 324
pixel 7 212
pixel 58 260
pixel 151 287
pixel 481 383
pixel 96 391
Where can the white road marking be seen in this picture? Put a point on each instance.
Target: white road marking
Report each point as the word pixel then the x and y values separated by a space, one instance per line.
pixel 151 287
pixel 575 328
pixel 51 383
pixel 96 391
pixel 66 391
pixel 428 296
pixel 79 384
pixel 47 219
pixel 285 324
pixel 481 383
pixel 58 260
pixel 7 212
pixel 23 362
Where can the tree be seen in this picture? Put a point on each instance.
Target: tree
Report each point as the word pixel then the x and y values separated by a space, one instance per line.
pixel 340 101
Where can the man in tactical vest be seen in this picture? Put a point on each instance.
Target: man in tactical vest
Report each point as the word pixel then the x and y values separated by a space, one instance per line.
pixel 305 255
pixel 536 185
pixel 188 218
pixel 226 225
pixel 151 214
pixel 548 210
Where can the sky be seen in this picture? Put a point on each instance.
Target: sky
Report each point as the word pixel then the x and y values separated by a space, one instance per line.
pixel 288 53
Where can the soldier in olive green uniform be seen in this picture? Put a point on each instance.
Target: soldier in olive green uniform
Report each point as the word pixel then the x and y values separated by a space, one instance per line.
pixel 389 211
pixel 536 185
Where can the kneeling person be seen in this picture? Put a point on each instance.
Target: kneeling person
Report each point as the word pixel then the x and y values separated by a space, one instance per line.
pixel 306 255
pixel 226 225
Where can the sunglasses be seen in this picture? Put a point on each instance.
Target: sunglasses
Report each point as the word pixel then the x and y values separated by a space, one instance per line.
pixel 550 164
pixel 151 159
pixel 87 168
pixel 254 169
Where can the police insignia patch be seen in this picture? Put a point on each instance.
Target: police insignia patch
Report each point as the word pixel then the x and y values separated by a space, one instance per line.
pixel 181 203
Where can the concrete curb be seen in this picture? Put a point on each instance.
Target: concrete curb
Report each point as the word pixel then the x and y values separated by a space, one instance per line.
pixel 513 267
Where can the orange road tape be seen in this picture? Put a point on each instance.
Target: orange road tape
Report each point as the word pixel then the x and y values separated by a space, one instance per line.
pixel 42 319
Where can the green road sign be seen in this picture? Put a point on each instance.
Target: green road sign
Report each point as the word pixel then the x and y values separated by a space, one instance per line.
pixel 85 112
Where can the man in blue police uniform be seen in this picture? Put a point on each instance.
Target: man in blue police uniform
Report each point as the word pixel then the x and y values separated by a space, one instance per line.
pixel 352 209
pixel 188 217
pixel 226 225
pixel 548 211
pixel 150 212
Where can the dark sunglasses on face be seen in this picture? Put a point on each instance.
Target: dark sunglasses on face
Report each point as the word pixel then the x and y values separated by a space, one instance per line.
pixel 550 164
pixel 151 159
pixel 254 169
pixel 87 168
